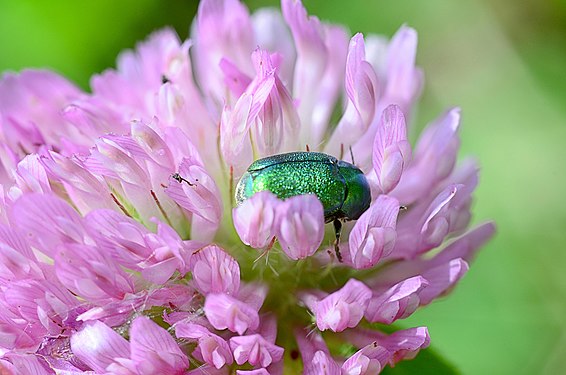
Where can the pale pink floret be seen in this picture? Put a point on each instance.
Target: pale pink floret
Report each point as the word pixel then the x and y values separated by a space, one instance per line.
pixel 444 212
pixel 319 68
pixel 47 221
pixel 433 158
pixel 400 81
pixel 398 302
pixel 341 309
pixel 226 312
pixel 364 361
pixel 390 349
pixel 255 350
pixel 237 122
pixel 321 363
pixel 362 92
pixel 260 371
pixel 201 198
pixel 98 346
pixel 300 226
pixel 151 349
pixel 211 348
pixel 255 219
pixel 223 29
pixel 156 255
pixel 373 236
pixel 91 274
pixel 214 271
pixel 391 150
pixel 404 80
pixel 29 109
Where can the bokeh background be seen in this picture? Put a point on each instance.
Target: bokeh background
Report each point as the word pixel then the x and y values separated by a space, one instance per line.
pixel 503 63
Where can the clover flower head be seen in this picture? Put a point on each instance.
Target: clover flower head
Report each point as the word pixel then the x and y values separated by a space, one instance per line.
pixel 122 250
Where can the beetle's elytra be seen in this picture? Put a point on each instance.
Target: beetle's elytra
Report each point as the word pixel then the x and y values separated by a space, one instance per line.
pixel 340 186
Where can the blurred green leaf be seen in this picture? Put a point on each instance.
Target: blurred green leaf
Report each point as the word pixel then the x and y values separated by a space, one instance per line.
pixel 426 362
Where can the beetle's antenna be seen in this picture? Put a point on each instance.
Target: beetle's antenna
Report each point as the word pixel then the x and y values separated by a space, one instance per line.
pixel 308 148
pixel 341 151
pixel 352 155
pixel 338 231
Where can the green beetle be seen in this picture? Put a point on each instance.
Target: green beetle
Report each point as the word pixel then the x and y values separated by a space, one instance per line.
pixel 340 186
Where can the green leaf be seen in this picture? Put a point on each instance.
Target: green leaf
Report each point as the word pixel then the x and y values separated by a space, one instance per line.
pixel 427 362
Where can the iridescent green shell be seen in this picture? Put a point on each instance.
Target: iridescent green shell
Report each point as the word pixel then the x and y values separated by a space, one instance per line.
pixel 340 186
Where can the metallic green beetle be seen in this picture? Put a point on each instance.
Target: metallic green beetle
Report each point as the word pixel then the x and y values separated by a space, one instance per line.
pixel 340 186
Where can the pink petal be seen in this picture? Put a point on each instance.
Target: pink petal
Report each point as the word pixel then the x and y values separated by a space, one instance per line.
pixel 343 308
pixel 309 343
pixel 404 80
pixel 260 371
pixel 119 159
pixel 28 364
pixel 300 227
pixel 321 363
pixel 255 350
pixel 255 219
pixel 236 123
pixel 272 34
pixel 392 348
pixel 31 175
pixel 202 198
pixel 433 159
pixel 441 279
pixel 85 190
pixel 47 221
pixel 466 246
pixel 391 151
pixel 406 344
pixel 224 311
pixel 91 274
pixel 120 236
pixel 373 235
pixel 214 271
pixel 35 97
pixel 364 361
pixel 213 349
pixel 152 144
pixel 397 302
pixel 98 346
pixel 235 80
pixel 253 294
pixel 316 73
pixel 223 30
pixel 154 350
pixel 361 90
pixel 16 258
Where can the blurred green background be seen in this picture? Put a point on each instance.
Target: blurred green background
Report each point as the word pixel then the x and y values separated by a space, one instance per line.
pixel 504 64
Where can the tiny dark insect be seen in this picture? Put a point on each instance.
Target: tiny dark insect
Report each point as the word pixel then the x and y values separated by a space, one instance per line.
pixel 340 186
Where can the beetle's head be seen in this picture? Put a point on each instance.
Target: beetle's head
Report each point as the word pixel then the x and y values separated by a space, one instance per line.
pixel 358 196
pixel 244 189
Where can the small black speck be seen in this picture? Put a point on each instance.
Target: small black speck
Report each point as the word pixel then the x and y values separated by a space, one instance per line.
pixel 164 79
pixel 294 354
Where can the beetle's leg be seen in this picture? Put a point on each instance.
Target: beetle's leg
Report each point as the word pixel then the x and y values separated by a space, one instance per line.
pixel 352 155
pixel 338 231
